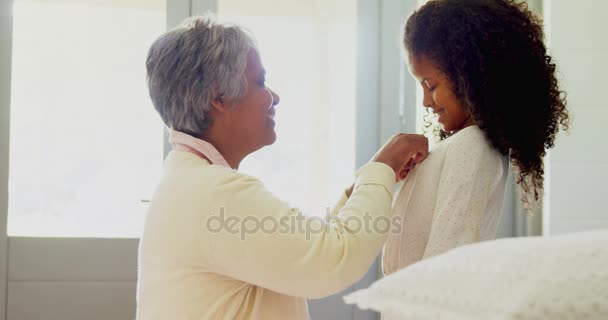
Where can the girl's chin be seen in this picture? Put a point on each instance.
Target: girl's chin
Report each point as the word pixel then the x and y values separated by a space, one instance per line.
pixel 445 127
pixel 448 127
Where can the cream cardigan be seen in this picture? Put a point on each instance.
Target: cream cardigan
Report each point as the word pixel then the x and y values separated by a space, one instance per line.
pixel 192 268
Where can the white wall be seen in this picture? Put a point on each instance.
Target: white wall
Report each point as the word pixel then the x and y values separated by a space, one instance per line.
pixel 5 78
pixel 578 166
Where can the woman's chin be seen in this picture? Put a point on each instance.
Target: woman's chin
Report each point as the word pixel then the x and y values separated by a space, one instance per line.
pixel 273 138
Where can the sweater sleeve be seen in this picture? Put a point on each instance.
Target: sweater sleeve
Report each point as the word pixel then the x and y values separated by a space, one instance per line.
pixel 265 242
pixel 469 172
pixel 339 205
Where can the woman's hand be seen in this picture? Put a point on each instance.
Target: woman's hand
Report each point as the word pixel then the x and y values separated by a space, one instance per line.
pixel 406 170
pixel 402 152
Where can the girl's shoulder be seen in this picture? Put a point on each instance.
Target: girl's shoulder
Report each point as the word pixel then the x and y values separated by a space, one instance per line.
pixel 470 133
pixel 470 140
pixel 471 136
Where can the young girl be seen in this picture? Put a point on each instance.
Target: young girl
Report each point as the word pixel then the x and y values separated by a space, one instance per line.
pixel 486 74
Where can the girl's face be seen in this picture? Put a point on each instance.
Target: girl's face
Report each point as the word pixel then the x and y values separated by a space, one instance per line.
pixel 439 95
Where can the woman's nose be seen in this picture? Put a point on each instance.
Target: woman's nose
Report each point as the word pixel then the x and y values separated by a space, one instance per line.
pixel 275 97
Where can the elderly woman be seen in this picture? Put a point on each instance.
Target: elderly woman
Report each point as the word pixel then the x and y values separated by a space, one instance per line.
pixel 216 243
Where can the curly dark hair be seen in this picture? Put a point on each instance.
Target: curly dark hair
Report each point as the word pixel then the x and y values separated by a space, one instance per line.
pixel 493 53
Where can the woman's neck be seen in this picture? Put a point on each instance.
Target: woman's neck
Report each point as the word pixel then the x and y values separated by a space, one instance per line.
pixel 232 153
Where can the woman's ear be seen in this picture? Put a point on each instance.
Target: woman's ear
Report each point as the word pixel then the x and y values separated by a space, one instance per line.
pixel 218 103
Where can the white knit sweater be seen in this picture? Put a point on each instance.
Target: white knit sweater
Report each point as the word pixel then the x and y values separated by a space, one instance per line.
pixel 453 198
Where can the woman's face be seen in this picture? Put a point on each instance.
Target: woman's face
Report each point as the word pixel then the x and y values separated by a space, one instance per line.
pixel 253 116
pixel 439 95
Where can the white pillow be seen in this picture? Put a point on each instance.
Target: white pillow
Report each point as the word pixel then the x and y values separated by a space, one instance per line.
pixel 560 277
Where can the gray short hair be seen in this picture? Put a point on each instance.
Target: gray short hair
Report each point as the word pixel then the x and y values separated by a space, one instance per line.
pixel 192 64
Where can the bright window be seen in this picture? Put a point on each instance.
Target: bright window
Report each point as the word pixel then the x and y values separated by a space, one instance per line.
pixel 86 145
pixel 309 51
